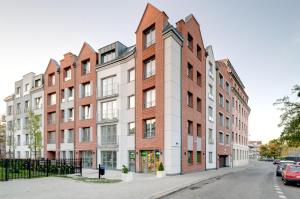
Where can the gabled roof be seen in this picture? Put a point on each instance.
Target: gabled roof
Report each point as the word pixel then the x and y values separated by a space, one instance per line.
pixel 53 62
pixel 150 6
pixel 84 46
pixel 189 17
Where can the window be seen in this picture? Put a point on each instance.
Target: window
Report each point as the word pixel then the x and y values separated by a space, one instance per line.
pixel 190 157
pixel 71 94
pixel 70 114
pixel 227 87
pixel 149 98
pixel 210 70
pixel 199 53
pixel 26 154
pixel 18 154
pixel 221 80
pixel 37 83
pixel 149 36
pixel 131 128
pixel 149 128
pixel 131 75
pixel 109 135
pixel 18 140
pixel 18 92
pixel 63 115
pixel 37 102
pixel 109 110
pixel 51 137
pixel 86 67
pixel 26 87
pixel 210 94
pixel 18 111
pixel 210 157
pixel 221 138
pixel 199 102
pixel 227 105
pixel 26 106
pixel 51 118
pixel 210 136
pixel 131 101
pixel 198 157
pixel 221 119
pixel 52 99
pixel 190 99
pixel 67 73
pixel 190 127
pixel 227 139
pixel 86 112
pixel 199 79
pixel 232 102
pixel 190 71
pixel 149 68
pixel 109 159
pixel 51 79
pixel 221 100
pixel 69 136
pixel 190 41
pixel 86 89
pixel 199 131
pixel 18 124
pixel 109 86
pixel 210 114
pixel 85 134
pixel 108 56
pixel 227 123
pixel 9 110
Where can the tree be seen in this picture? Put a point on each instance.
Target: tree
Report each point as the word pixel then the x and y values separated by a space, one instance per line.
pixel 273 149
pixel 290 118
pixel 264 150
pixel 35 134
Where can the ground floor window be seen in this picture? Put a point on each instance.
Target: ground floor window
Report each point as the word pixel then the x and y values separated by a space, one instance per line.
pixel 109 159
pixel 131 161
pixel 198 157
pixel 190 157
pixel 87 159
pixel 210 157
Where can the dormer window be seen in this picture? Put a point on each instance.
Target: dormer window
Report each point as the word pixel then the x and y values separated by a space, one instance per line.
pixel 108 56
pixel 37 83
pixel 149 36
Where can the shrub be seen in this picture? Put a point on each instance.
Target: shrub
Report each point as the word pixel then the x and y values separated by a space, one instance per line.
pixel 124 169
pixel 161 167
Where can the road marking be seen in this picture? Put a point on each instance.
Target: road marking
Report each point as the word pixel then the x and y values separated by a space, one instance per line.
pixel 282 196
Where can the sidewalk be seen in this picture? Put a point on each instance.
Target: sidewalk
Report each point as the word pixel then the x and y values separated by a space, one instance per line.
pixel 143 186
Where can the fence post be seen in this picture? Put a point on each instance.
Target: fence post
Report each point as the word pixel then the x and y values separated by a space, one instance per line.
pixel 47 167
pixel 29 166
pixel 6 169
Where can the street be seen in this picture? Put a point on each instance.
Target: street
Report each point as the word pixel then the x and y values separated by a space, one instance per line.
pixel 257 181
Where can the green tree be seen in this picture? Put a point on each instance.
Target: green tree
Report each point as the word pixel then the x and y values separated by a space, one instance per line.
pixel 290 118
pixel 264 150
pixel 35 134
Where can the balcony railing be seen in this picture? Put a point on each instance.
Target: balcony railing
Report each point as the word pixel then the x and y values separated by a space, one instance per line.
pixel 109 116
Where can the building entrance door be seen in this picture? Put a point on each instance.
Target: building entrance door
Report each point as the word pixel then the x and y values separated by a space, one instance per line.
pixel 87 159
pixel 148 161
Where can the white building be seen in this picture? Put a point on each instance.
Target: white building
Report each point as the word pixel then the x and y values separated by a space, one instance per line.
pixel 211 143
pixel 116 107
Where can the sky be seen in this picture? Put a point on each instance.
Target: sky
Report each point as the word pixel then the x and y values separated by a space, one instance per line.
pixel 261 38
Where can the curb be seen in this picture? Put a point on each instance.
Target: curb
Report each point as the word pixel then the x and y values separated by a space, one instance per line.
pixel 182 187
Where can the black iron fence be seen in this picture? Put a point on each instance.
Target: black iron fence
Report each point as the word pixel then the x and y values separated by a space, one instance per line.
pixel 28 168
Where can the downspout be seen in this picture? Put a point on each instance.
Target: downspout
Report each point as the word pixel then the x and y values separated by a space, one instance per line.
pixel 181 109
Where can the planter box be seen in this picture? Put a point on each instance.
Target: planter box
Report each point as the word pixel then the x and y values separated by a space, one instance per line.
pixel 127 177
pixel 160 174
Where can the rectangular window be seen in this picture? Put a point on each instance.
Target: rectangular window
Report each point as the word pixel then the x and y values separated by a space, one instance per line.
pixel 210 136
pixel 221 100
pixel 221 80
pixel 86 112
pixel 26 106
pixel 199 79
pixel 227 139
pixel 227 87
pixel 210 70
pixel 51 79
pixel 199 131
pixel 86 89
pixel 149 98
pixel 210 114
pixel 190 71
pixel 149 68
pixel 18 124
pixel 190 41
pixel 18 140
pixel 71 94
pixel 86 67
pixel 51 137
pixel 109 86
pixel 131 101
pixel 131 75
pixel 190 99
pixel 149 128
pixel 37 83
pixel 227 105
pixel 221 138
pixel 108 56
pixel 9 110
pixel 85 134
pixel 227 123
pixel 26 87
pixel 198 157
pixel 210 92
pixel 70 136
pixel 52 99
pixel 190 127
pixel 71 114
pixel 67 73
pixel 199 102
pixel 38 103
pixel 51 118
pixel 199 53
pixel 109 159
pixel 190 157
pixel 109 135
pixel 149 36
pixel 131 128
pixel 210 157
pixel 109 110
pixel 221 119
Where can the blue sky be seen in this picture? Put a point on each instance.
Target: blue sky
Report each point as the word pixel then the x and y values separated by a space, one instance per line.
pixel 261 38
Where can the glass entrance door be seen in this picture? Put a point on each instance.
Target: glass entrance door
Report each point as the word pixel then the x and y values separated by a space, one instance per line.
pixel 131 162
pixel 148 161
pixel 87 159
pixel 109 159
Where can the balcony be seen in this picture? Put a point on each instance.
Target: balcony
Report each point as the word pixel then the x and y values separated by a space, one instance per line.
pixel 109 144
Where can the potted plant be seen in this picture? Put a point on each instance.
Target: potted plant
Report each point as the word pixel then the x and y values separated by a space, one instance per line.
pixel 126 175
pixel 160 171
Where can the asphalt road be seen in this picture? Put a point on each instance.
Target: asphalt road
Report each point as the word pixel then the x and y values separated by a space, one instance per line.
pixel 256 182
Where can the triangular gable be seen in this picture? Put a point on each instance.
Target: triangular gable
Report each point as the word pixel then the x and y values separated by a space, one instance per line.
pixel 84 47
pixel 51 63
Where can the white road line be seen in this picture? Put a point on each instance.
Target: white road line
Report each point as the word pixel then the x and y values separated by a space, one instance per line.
pixel 282 196
pixel 280 192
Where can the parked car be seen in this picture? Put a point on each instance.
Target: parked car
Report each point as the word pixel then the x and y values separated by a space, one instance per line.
pixel 298 163
pixel 281 165
pixel 291 174
pixel 276 162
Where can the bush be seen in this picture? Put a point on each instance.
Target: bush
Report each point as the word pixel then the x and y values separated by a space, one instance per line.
pixel 124 169
pixel 161 167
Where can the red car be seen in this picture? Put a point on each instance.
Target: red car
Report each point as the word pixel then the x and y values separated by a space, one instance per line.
pixel 291 174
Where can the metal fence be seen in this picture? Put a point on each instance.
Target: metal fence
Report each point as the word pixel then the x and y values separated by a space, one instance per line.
pixel 28 168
